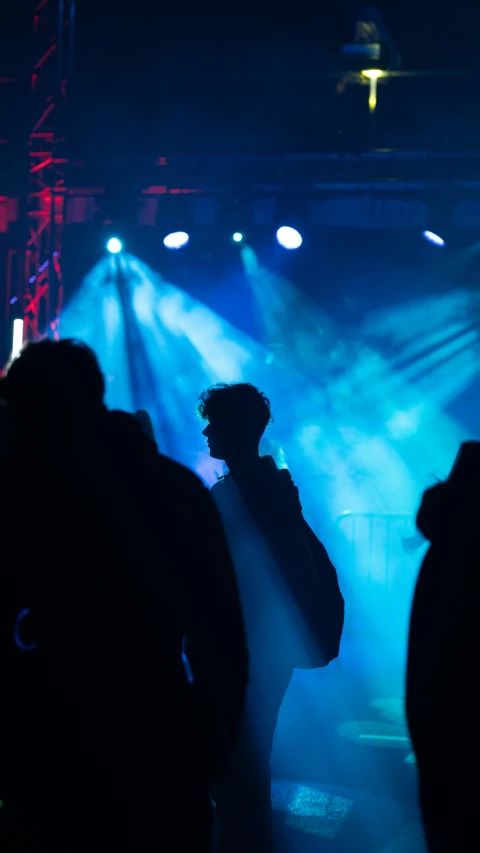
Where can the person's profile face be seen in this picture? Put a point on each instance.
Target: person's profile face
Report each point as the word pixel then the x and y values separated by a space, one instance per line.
pixel 229 438
pixel 216 441
pixel 224 440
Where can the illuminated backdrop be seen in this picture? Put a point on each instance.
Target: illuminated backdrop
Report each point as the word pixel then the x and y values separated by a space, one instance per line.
pixel 367 345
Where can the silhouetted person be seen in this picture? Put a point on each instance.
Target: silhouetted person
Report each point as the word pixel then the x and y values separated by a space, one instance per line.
pixel 280 565
pixel 443 655
pixel 145 422
pixel 113 559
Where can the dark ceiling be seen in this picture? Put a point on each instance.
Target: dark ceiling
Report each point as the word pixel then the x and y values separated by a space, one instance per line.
pixel 139 36
pixel 247 77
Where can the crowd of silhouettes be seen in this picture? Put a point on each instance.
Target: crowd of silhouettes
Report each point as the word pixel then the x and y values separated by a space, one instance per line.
pixel 149 629
pixel 115 561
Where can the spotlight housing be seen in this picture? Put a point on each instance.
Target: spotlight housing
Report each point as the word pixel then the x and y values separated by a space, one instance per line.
pixel 114 245
pixel 176 240
pixel 289 237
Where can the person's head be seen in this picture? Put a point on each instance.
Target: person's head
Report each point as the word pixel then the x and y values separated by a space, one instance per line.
pixel 54 381
pixel 237 416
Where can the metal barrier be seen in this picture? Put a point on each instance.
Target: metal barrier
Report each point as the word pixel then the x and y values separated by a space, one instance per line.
pixel 377 556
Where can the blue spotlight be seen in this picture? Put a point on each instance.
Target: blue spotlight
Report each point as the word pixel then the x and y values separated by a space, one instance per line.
pixel 238 237
pixel 433 238
pixel 289 238
pixel 176 240
pixel 114 245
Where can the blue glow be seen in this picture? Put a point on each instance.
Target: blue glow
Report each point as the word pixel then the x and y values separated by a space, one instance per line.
pixel 363 418
pixel 176 240
pixel 311 808
pixel 238 237
pixel 114 245
pixel 433 238
pixel 289 237
pixel 186 664
pixel 30 647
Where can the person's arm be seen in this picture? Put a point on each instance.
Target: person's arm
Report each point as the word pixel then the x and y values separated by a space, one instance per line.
pixel 217 646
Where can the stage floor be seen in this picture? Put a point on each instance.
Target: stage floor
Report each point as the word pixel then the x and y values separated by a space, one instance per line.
pixel 344 775
pixel 313 817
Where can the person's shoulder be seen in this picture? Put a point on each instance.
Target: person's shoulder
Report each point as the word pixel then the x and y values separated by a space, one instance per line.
pixel 284 475
pixel 121 424
pixel 218 485
pixel 286 484
pixel 175 470
pixel 126 427
pixel 270 468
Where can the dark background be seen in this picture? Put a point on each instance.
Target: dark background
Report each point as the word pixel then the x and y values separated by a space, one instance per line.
pixel 247 77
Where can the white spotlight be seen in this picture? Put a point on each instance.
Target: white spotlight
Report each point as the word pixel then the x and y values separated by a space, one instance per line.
pixel 114 245
pixel 289 237
pixel 433 238
pixel 176 240
pixel 17 341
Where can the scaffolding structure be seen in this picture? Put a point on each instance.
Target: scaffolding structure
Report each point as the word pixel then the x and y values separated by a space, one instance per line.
pixel 337 169
pixel 53 29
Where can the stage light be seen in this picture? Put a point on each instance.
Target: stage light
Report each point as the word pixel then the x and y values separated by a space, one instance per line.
pixel 289 237
pixel 17 341
pixel 238 237
pixel 373 75
pixel 176 240
pixel 114 245
pixel 433 238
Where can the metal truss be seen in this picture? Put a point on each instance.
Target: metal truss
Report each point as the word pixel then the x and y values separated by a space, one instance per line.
pixel 387 171
pixel 53 51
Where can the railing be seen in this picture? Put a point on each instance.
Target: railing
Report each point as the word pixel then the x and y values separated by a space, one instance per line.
pixel 377 556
